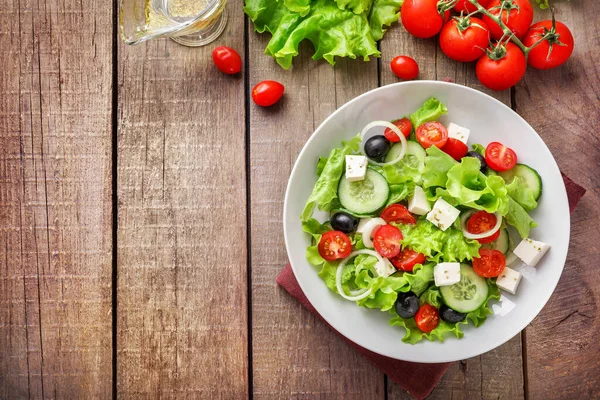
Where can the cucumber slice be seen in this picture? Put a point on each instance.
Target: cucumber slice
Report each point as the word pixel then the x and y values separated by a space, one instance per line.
pixel 530 177
pixel 468 294
pixel 366 196
pixel 500 244
pixel 414 157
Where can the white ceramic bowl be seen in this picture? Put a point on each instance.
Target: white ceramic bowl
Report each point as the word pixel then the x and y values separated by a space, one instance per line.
pixel 489 120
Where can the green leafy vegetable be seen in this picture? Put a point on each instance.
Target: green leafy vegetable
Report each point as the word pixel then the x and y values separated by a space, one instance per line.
pixel 520 193
pixel 400 192
pixel 383 14
pixel 518 217
pixel 478 148
pixel 431 110
pixel 437 165
pixel 420 278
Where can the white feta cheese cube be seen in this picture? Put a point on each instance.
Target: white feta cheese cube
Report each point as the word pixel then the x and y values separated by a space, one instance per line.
pixel 509 280
pixel 446 274
pixel 356 168
pixel 417 202
pixel 531 251
pixel 443 214
pixel 385 269
pixel 458 132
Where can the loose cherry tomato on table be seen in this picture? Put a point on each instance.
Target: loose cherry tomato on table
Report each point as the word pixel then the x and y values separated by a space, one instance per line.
pixel 481 222
pixel 386 240
pixel 405 127
pixel 455 148
pixel 517 15
pixel 502 67
pixel 432 134
pixel 407 259
pixel 464 38
pixel 405 67
pixel 267 93
pixel 227 60
pixel 334 245
pixel 467 7
pixel 422 18
pixel 490 263
pixel 554 50
pixel 398 213
pixel 427 318
pixel 499 157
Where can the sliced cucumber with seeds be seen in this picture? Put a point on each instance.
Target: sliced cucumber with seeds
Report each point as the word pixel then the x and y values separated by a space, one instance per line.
pixel 531 178
pixel 366 196
pixel 414 157
pixel 468 294
pixel 501 244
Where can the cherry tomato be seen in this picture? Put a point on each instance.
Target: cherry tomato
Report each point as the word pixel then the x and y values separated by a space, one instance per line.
pixel 481 222
pixel 517 15
pixel 554 50
pixel 502 67
pixel 405 67
pixel 467 7
pixel 427 318
pixel 432 134
pixel 227 60
pixel 398 213
pixel 405 127
pixel 490 263
pixel 267 93
pixel 464 39
pixel 407 259
pixel 499 157
pixel 421 18
pixel 334 245
pixel 387 240
pixel 455 148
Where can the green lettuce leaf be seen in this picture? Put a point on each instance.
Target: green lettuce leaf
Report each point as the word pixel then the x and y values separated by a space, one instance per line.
pixel 383 14
pixel 420 278
pixel 302 7
pixel 478 148
pixel 315 229
pixel 406 170
pixel 431 110
pixel 518 217
pixel 400 192
pixel 437 165
pixel 324 194
pixel 521 194
pixel 356 6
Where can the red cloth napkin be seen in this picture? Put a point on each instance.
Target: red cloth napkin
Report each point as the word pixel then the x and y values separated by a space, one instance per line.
pixel 417 379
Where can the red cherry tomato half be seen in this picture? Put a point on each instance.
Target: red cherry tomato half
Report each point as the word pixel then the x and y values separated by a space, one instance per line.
pixel 387 240
pixel 481 222
pixel 227 60
pixel 334 245
pixel 467 7
pixel 432 134
pixel 490 263
pixel 518 19
pixel 427 318
pixel 541 57
pixel 503 72
pixel 421 18
pixel 455 148
pixel 464 39
pixel 267 93
pixel 405 127
pixel 499 157
pixel 407 259
pixel 398 213
pixel 405 67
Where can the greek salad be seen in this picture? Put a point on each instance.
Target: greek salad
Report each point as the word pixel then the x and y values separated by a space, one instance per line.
pixel 419 225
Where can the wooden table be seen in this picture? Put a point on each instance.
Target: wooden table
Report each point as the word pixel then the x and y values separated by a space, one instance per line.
pixel 141 197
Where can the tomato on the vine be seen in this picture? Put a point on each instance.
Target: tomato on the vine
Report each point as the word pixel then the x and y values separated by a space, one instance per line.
pixel 405 67
pixel 267 93
pixel 464 38
pixel 555 49
pixel 427 318
pixel 517 15
pixel 227 60
pixel 405 127
pixel 407 259
pixel 499 157
pixel 502 67
pixel 424 18
pixel 432 134
pixel 490 263
pixel 467 7
pixel 334 245
pixel 398 213
pixel 386 240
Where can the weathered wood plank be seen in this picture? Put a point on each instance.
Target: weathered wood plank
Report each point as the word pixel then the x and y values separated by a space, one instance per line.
pixel 478 377
pixel 182 311
pixel 55 199
pixel 294 354
pixel 562 105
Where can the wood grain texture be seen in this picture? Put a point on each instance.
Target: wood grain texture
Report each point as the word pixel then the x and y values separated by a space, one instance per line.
pixel 55 199
pixel 295 356
pixel 181 292
pixel 499 373
pixel 562 105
